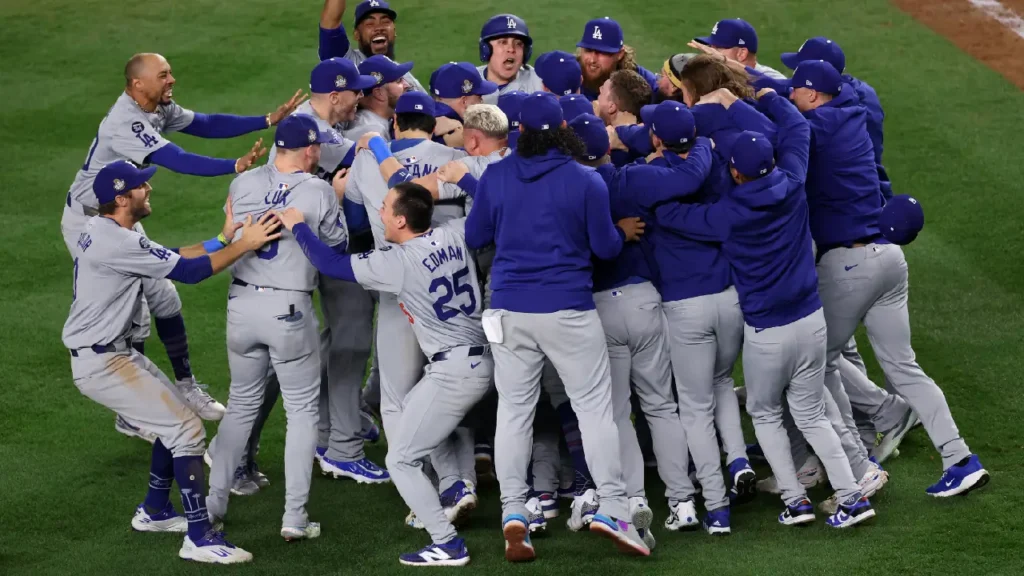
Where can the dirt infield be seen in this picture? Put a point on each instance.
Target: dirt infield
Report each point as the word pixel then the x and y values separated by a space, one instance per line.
pixel 975 32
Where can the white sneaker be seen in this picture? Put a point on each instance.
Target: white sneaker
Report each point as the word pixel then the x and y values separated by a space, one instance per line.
pixel 582 511
pixel 213 549
pixel 413 522
pixel 682 516
pixel 642 517
pixel 196 398
pixel 873 480
pixel 167 520
pixel 535 516
pixel 810 475
pixel 308 532
pixel 122 426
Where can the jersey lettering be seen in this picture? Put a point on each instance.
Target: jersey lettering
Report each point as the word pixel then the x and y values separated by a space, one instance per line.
pixel 74 284
pixel 452 288
pixel 436 259
pixel 161 253
pixel 418 170
pixel 279 196
pixel 84 241
pixel 406 312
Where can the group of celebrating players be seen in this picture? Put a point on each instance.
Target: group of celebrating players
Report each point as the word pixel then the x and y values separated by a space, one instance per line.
pixel 553 251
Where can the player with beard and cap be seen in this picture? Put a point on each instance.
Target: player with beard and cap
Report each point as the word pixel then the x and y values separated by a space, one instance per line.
pixel 559 72
pixel 602 51
pixel 374 31
pixel 377 106
pixel 735 39
pixel 505 47
pixel 575 105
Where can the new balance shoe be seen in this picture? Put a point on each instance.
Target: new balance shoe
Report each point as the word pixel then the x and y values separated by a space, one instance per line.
pixel 716 522
pixel 535 515
pixel 308 532
pixel 213 549
pixel 800 513
pixel 642 517
pixel 582 510
pixel 413 522
pixel 368 431
pixel 167 520
pixel 195 397
pixel 459 501
pixel 682 516
pixel 851 512
pixel 744 481
pixel 243 484
pixel 452 553
pixel 622 533
pixel 890 440
pixel 362 471
pixel 960 478
pixel 518 547
pixel 548 504
pixel 810 475
pixel 122 426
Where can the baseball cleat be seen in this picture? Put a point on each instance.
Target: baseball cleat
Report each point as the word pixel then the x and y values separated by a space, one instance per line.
pixel 682 516
pixel 213 549
pixel 258 477
pixel 744 481
pixel 518 547
pixel 583 509
pixel 413 522
pixel 459 501
pixel 851 512
pixel 536 515
pixel 960 478
pixel 873 481
pixel 307 532
pixel 167 520
pixel 800 513
pixel 318 455
pixel 369 431
pixel 548 504
pixel 642 517
pixel 891 439
pixel 810 475
pixel 716 522
pixel 195 397
pixel 122 426
pixel 362 471
pixel 483 455
pixel 243 484
pixel 622 533
pixel 453 553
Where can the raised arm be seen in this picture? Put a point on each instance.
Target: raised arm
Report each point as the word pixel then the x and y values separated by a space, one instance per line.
pixel 333 40
pixel 172 157
pixel 793 149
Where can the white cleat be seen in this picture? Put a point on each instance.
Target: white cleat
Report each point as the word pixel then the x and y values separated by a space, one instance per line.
pixel 413 522
pixel 195 397
pixel 122 426
pixel 873 480
pixel 682 516
pixel 810 475
pixel 642 517
pixel 167 520
pixel 213 549
pixel 582 511
pixel 310 531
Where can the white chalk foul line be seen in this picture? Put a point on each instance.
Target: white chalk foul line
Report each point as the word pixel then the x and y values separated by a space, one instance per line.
pixel 1002 14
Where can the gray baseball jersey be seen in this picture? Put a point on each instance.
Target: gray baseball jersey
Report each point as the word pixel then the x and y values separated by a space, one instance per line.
pixel 127 132
pixel 421 157
pixel 476 165
pixel 769 72
pixel 526 81
pixel 281 263
pixel 331 154
pixel 110 262
pixel 367 121
pixel 436 285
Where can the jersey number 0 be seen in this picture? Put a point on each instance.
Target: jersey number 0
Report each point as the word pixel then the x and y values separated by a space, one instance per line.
pixel 450 289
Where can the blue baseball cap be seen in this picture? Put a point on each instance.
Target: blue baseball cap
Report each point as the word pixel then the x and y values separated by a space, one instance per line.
pixel 415 102
pixel 383 69
pixel 541 111
pixel 364 9
pixel 459 79
pixel 575 104
pixel 119 178
pixel 731 33
pixel 901 220
pixel 511 103
pixel 338 75
pixel 592 131
pixel 752 155
pixel 671 121
pixel 817 48
pixel 299 131
pixel 560 72
pixel 817 75
pixel 602 35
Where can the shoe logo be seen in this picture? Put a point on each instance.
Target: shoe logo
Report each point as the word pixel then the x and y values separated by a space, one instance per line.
pixel 759 330
pixel 434 554
pixel 848 268
pixel 474 365
pixel 842 516
pixel 950 483
pixel 221 552
pixel 717 523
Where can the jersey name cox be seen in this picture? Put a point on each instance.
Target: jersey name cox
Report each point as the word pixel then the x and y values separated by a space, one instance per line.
pixel 445 254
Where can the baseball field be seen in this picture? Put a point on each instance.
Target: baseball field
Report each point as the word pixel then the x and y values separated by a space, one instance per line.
pixel 69 483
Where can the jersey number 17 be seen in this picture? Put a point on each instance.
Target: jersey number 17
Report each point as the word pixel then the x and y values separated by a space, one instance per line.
pixel 449 290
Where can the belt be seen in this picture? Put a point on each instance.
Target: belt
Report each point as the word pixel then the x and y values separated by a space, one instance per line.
pixel 473 351
pixel 245 284
pixel 103 348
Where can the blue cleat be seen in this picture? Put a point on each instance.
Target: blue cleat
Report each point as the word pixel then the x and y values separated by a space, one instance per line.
pixel 452 553
pixel 458 501
pixel 800 513
pixel 716 522
pixel 362 471
pixel 518 547
pixel 851 512
pixel 960 478
pixel 744 481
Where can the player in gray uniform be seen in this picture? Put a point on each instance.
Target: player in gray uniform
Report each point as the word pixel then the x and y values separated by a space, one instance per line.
pixel 377 106
pixel 111 259
pixel 133 130
pixel 374 33
pixel 271 321
pixel 505 49
pixel 433 276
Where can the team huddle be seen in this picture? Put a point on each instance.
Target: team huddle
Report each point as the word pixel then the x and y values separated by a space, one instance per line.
pixel 551 271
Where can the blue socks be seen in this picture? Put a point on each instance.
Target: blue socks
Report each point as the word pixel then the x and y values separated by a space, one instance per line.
pixel 188 472
pixel 574 441
pixel 161 474
pixel 172 333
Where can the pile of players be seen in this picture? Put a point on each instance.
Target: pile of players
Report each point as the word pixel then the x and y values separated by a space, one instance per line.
pixel 550 249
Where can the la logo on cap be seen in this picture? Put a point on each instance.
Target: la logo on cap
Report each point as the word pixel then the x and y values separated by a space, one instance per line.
pixel 340 82
pixel 597 33
pixel 714 29
pixel 511 22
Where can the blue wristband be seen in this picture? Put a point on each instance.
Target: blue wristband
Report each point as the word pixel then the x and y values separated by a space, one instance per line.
pixel 212 245
pixel 380 149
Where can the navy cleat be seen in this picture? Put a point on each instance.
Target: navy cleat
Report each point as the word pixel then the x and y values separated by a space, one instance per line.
pixel 800 513
pixel 851 512
pixel 362 471
pixel 451 553
pixel 960 478
pixel 744 481
pixel 716 522
pixel 458 501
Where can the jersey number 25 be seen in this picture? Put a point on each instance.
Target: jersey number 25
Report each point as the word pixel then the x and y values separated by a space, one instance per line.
pixel 443 306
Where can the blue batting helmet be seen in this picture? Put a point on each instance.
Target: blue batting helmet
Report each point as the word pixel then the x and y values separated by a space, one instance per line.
pixel 501 26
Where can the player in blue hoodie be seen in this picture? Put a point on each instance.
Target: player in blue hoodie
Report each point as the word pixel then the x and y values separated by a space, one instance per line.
pixel 763 227
pixel 862 276
pixel 546 216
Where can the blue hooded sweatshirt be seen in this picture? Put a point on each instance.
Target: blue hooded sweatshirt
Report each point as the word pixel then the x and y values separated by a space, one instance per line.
pixel 545 215
pixel 636 263
pixel 763 227
pixel 876 116
pixel 843 192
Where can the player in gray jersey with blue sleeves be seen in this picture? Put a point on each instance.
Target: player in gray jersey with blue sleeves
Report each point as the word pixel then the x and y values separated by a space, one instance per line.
pixel 431 272
pixel 505 50
pixel 377 106
pixel 111 260
pixel 271 322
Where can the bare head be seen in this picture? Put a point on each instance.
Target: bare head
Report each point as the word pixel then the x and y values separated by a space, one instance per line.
pixel 485 129
pixel 624 92
pixel 148 79
pixel 704 74
pixel 406 212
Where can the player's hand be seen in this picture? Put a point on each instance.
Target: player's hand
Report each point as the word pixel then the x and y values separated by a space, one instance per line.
pixel 245 162
pixel 452 172
pixel 653 155
pixel 613 139
pixel 633 227
pixel 290 217
pixel 364 141
pixel 287 108
pixel 705 49
pixel 339 183
pixel 762 92
pixel 230 226
pixel 445 125
pixel 256 234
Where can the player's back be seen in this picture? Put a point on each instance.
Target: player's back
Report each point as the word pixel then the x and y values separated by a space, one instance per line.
pixel 335 154
pixel 281 264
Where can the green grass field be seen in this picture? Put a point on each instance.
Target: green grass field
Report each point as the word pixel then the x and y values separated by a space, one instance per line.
pixel 69 483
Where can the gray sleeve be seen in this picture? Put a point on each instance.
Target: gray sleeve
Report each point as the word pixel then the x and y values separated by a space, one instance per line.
pixel 177 118
pixel 357 176
pixel 476 165
pixel 333 152
pixel 140 256
pixel 379 270
pixel 458 226
pixel 133 138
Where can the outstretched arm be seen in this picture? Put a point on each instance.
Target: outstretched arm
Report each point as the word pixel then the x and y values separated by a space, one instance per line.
pixel 704 222
pixel 229 125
